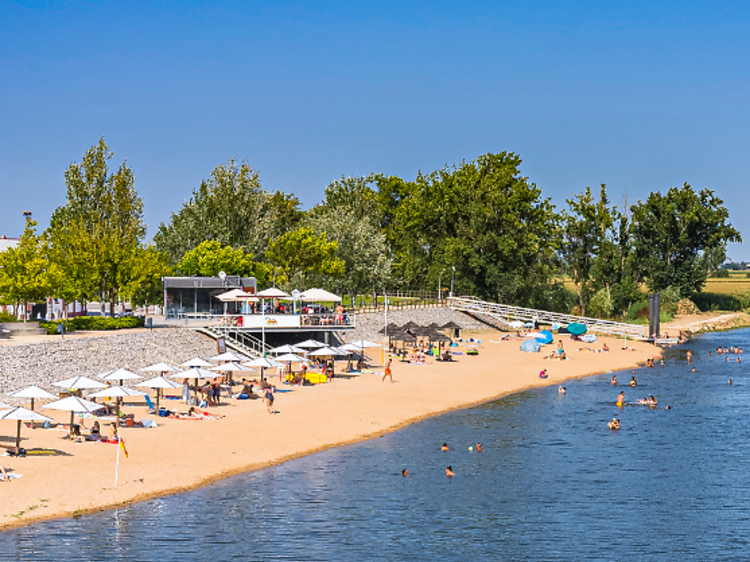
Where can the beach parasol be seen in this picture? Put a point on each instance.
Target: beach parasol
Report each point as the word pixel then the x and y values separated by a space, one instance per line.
pixel 287 349
pixel 264 363
pixel 272 293
pixel 326 352
pixel 78 383
pixel 195 362
pixel 228 356
pixel 159 383
pixel 290 358
pixel 4 405
pixel 230 368
pixel 235 295
pixel 450 326
pixel 362 344
pixel 21 414
pixel 516 324
pixel 577 329
pixel 391 328
pixel 160 368
pixel 116 392
pixel 74 404
pixel 350 348
pixel 33 392
pixel 530 345
pixel 410 325
pixel 318 295
pixel 119 375
pixel 194 373
pixel 310 344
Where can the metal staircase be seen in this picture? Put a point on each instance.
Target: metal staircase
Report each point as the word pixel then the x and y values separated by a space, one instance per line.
pixel 506 314
pixel 236 339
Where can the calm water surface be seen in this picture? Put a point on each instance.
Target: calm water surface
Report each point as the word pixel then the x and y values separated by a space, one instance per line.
pixel 552 483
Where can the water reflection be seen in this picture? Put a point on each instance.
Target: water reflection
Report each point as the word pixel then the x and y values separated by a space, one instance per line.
pixel 552 483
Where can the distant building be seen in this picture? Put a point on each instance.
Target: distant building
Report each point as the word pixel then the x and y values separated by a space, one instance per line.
pixel 197 295
pixel 6 243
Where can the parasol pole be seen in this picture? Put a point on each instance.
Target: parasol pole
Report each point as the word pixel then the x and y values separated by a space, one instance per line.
pixel 117 462
pixel 18 438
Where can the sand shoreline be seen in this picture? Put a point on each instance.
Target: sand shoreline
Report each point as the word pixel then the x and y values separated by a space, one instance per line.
pixel 170 460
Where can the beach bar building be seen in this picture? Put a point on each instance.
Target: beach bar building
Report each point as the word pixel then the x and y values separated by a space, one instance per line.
pixel 192 297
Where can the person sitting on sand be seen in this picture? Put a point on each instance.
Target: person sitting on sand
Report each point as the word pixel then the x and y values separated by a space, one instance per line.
pixel 614 424
pixel 95 432
pixel 444 447
pixel 75 434
pixel 543 374
pixel 620 399
pixel 605 348
pixel 449 472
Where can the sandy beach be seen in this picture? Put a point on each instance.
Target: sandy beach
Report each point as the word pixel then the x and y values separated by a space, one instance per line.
pixel 182 454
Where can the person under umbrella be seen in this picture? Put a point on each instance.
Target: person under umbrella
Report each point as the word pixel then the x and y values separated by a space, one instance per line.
pixel 74 404
pixel 159 383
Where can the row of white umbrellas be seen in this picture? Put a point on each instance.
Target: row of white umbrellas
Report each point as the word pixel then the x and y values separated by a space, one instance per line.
pixel 311 295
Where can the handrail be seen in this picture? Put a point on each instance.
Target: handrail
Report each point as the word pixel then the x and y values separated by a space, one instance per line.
pixel 240 340
pixel 506 313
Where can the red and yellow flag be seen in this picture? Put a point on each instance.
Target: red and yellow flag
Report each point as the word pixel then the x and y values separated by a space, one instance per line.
pixel 122 446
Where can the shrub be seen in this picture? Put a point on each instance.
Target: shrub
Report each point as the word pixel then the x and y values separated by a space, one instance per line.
pixel 601 305
pixel 95 323
pixel 7 317
pixel 720 274
pixel 720 301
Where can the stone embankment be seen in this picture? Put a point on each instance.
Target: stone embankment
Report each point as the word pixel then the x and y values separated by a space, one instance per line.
pixel 49 361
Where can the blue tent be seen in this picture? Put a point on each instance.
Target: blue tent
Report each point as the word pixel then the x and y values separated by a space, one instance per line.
pixel 577 329
pixel 530 345
pixel 545 336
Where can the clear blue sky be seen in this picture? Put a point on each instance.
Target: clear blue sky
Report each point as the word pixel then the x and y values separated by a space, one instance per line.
pixel 639 95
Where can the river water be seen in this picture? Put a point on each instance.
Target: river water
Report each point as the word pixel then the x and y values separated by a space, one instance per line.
pixel 551 483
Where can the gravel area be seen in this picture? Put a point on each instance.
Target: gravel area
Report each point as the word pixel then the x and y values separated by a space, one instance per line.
pixel 50 361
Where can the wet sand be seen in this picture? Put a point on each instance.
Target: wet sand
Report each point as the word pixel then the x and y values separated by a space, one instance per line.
pixel 181 455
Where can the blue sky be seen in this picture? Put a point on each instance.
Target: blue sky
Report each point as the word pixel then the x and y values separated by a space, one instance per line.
pixel 641 96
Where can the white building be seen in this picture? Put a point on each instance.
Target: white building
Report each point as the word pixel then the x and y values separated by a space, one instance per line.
pixel 6 243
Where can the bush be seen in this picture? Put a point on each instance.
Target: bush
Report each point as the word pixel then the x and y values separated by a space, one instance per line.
pixel 7 317
pixel 601 305
pixel 720 274
pixel 95 323
pixel 720 301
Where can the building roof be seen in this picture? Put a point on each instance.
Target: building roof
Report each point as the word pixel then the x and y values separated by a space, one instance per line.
pixel 6 243
pixel 231 282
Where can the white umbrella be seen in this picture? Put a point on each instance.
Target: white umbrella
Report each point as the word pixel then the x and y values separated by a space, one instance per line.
pixel 291 358
pixel 310 344
pixel 194 373
pixel 272 293
pixel 364 343
pixel 516 324
pixel 235 295
pixel 4 405
pixel 119 375
pixel 21 414
pixel 264 362
pixel 160 368
pixel 77 383
pixel 228 356
pixel 116 392
pixel 74 404
pixel 32 392
pixel 350 347
pixel 159 383
pixel 319 295
pixel 229 368
pixel 195 362
pixel 287 349
pixel 326 352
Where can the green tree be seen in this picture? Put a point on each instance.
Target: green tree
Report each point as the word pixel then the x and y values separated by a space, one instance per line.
pixel 145 285
pixel 678 235
pixel 25 274
pixel 301 252
pixel 104 210
pixel 359 244
pixel 232 208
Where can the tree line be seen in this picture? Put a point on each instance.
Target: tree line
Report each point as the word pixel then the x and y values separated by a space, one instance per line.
pixel 507 242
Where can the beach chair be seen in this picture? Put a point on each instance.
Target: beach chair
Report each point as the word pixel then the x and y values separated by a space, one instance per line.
pixel 150 404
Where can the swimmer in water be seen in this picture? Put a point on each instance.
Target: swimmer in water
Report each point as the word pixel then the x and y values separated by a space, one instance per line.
pixel 730 382
pixel 479 447
pixel 692 370
pixel 738 360
pixel 710 353
pixel 444 447
pixel 449 472
pixel 561 390
pixel 404 473
pixel 651 400
pixel 632 382
pixel 613 382
pixel 614 424
pixel 621 399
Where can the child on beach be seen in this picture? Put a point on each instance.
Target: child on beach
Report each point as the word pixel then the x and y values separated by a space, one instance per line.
pixel 388 372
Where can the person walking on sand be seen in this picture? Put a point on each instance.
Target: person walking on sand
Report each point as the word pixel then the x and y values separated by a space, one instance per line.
pixel 388 372
pixel 269 399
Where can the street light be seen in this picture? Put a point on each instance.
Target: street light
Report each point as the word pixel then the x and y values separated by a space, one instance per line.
pixel 453 276
pixel 440 280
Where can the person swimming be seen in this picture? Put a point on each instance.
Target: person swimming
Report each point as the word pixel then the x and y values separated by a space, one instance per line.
pixel 404 473
pixel 449 472
pixel 613 382
pixel 730 382
pixel 561 390
pixel 444 447
pixel 621 399
pixel 614 424
pixel 479 447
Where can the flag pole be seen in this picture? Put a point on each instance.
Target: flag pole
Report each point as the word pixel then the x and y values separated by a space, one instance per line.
pixel 117 463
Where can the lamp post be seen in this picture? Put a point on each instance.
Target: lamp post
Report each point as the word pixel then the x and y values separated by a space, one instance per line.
pixel 440 290
pixel 453 276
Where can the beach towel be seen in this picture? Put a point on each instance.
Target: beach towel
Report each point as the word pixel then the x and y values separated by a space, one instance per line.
pixel 10 476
